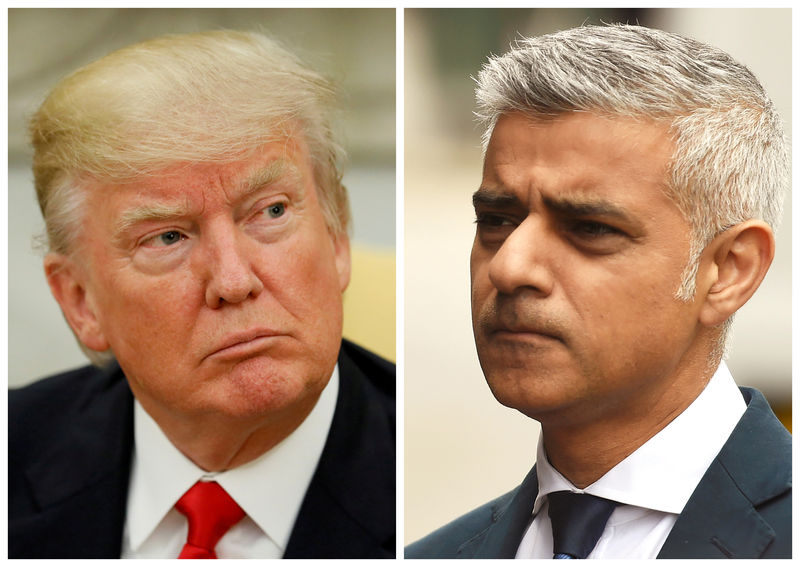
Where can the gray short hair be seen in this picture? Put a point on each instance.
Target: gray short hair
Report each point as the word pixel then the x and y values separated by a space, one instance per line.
pixel 731 161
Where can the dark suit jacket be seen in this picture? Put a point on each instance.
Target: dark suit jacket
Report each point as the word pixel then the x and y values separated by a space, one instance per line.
pixel 741 508
pixel 71 441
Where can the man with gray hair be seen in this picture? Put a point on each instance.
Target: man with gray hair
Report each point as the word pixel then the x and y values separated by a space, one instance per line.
pixel 198 243
pixel 632 181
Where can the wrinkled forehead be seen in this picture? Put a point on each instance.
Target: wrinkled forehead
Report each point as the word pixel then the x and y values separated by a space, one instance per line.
pixel 188 194
pixel 234 174
pixel 580 143
pixel 585 161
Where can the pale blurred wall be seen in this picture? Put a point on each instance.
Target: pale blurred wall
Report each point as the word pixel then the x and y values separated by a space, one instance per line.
pixel 461 447
pixel 354 47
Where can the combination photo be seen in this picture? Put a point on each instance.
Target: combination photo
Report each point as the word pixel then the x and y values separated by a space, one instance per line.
pixel 399 283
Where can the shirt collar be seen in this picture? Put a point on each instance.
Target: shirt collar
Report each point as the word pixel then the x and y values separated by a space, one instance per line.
pixel 270 489
pixel 663 473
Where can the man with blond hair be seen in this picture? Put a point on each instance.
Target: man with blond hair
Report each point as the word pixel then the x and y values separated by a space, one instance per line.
pixel 198 248
pixel 632 181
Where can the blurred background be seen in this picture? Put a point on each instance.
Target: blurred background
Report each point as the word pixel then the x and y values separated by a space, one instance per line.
pixel 356 48
pixel 462 448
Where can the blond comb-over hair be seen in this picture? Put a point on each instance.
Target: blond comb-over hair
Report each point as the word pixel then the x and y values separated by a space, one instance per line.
pixel 201 97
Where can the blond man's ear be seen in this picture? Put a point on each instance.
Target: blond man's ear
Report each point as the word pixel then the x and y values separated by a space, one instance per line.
pixel 68 285
pixel 341 249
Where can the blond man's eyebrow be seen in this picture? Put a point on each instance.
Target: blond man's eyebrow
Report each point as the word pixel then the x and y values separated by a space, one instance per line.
pixel 265 176
pixel 150 212
pixel 256 181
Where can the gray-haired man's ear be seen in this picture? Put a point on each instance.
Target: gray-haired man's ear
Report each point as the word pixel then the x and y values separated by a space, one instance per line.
pixel 739 260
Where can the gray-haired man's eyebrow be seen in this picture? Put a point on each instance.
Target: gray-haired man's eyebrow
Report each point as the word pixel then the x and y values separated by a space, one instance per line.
pixel 497 199
pixel 586 207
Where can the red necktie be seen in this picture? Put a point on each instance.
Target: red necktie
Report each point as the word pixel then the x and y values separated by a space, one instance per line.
pixel 211 512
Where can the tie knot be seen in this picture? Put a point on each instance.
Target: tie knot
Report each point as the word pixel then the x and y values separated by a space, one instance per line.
pixel 578 521
pixel 211 512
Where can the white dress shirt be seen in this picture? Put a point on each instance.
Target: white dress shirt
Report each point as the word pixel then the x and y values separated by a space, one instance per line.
pixel 653 484
pixel 269 489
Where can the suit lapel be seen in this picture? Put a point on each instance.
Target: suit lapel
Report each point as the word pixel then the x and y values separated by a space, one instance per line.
pixel 721 518
pixel 509 522
pixel 349 508
pixel 80 482
pixel 718 522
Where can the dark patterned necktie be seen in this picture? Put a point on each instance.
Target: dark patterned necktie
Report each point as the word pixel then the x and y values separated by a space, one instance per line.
pixel 578 520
